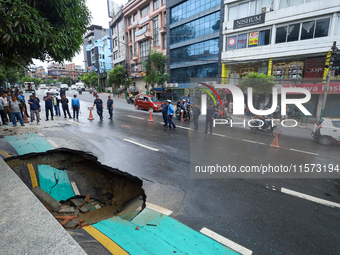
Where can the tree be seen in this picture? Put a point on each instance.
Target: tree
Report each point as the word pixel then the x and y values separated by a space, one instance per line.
pixel 37 29
pixel 65 80
pixel 26 79
pixel 90 79
pixel 2 77
pixel 118 76
pixel 155 68
pixel 49 81
pixel 12 74
pixel 262 84
pixel 37 81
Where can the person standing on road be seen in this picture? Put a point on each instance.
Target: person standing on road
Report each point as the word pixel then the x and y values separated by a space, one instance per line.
pixel 230 108
pixel 22 97
pixel 48 105
pixel 165 112
pixel 99 104
pixel 171 113
pixel 196 113
pixel 56 102
pixel 64 104
pixel 276 112
pixel 110 107
pixel 2 109
pixel 34 108
pixel 14 110
pixel 209 118
pixel 7 99
pixel 75 104
pixel 62 92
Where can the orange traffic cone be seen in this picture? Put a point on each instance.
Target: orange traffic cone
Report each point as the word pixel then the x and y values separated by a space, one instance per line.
pixel 90 117
pixel 25 116
pixel 150 119
pixel 276 141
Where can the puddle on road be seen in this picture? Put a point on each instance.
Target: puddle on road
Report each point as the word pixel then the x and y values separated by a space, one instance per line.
pixel 76 188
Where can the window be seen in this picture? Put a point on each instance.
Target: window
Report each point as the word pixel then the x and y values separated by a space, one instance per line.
pixel 131 56
pixel 336 123
pixel 252 39
pixel 337 32
pixel 321 28
pixel 155 4
pixel 163 2
pixel 103 57
pixel 129 20
pixel 135 17
pixel 130 35
pixel 183 75
pixel 288 33
pixel 165 19
pixel 144 51
pixel 207 50
pixel 144 11
pixel 164 41
pixel 190 8
pixel 155 31
pixel 247 9
pixel 288 3
pixel 136 48
pixel 197 28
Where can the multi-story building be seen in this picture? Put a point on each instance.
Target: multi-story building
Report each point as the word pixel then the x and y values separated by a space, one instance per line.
pixel 37 72
pixel 118 44
pixel 145 31
pixel 194 41
pixel 94 33
pixel 73 71
pixel 289 39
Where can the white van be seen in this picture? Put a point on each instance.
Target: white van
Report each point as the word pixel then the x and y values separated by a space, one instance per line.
pixel 80 85
pixel 64 86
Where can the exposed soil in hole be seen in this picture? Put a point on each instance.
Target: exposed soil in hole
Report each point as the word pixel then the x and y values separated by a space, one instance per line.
pixel 104 191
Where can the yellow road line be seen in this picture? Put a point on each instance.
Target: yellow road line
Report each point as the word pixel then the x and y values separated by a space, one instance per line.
pixel 105 241
pixel 5 154
pixel 33 176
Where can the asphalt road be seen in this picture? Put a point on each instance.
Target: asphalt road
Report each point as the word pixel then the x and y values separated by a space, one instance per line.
pixel 249 209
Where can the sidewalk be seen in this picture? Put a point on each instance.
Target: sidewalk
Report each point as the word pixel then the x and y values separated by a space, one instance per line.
pixel 26 227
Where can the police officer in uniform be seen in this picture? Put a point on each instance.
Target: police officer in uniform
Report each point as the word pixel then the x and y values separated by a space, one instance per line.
pixel 209 118
pixel 196 113
pixel 64 104
pixel 99 104
pixel 165 112
pixel 110 106
pixel 48 105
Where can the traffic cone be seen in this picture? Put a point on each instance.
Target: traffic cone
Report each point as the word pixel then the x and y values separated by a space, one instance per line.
pixel 90 117
pixel 25 116
pixel 276 141
pixel 150 119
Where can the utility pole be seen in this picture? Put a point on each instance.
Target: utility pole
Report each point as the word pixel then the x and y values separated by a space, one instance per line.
pixel 330 67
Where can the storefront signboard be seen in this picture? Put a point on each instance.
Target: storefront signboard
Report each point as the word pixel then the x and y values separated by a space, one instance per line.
pixel 250 21
pixel 232 41
pixel 144 19
pixel 253 38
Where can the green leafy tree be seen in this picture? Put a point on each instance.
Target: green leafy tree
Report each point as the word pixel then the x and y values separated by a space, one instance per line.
pixel 90 79
pixel 117 77
pixel 49 81
pixel 12 74
pixel 26 79
pixel 37 29
pixel 262 84
pixel 2 77
pixel 65 80
pixel 155 68
pixel 37 81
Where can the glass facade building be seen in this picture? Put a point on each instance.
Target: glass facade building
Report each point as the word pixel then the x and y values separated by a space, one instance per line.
pixel 194 40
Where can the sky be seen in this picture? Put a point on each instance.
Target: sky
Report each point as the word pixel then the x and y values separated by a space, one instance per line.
pixel 98 9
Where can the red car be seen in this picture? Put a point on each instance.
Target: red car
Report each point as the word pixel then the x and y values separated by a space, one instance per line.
pixel 148 102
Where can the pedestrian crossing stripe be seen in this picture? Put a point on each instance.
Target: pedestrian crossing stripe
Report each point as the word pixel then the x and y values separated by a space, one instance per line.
pixel 110 245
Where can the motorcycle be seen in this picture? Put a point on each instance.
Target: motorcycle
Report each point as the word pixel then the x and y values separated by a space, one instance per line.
pixel 80 92
pixel 186 114
pixel 94 93
pixel 91 91
pixel 225 116
pixel 130 100
pixel 255 126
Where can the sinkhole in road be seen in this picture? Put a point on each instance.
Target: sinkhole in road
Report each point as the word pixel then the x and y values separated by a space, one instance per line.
pixel 77 189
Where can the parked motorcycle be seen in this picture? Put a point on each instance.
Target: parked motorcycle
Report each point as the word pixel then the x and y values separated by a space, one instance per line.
pixel 186 114
pixel 130 100
pixel 225 116
pixel 255 126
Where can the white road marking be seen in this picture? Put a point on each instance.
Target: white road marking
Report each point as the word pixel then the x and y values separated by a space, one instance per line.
pixel 226 242
pixel 142 145
pixel 158 209
pixel 75 188
pixel 40 134
pixel 310 198
pixel 307 152
pixel 135 117
pixel 218 134
pixel 53 143
pixel 248 141
pixel 262 143
pixel 184 127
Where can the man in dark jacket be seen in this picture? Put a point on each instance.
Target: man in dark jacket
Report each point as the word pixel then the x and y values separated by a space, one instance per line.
pixel 34 108
pixel 196 113
pixel 48 105
pixel 165 112
pixel 110 107
pixel 209 118
pixel 64 104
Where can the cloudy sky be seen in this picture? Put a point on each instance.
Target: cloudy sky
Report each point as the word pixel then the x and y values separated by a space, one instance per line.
pixel 100 17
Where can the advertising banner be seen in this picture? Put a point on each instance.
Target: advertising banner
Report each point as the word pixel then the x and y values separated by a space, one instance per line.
pixel 253 38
